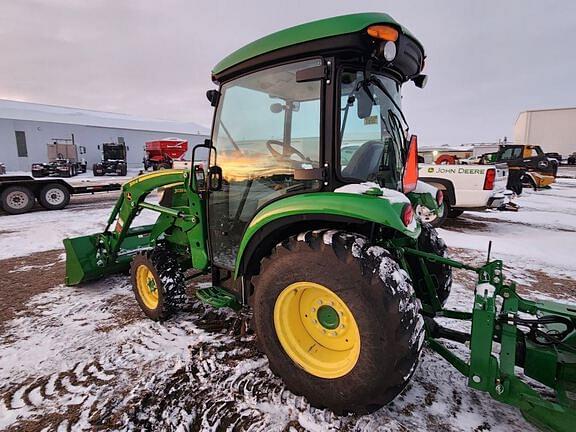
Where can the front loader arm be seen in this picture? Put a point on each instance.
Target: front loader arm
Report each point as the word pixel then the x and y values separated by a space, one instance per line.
pixel 91 257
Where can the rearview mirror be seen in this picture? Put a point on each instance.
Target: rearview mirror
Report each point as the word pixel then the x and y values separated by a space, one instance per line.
pixel 420 81
pixel 364 104
pixel 213 96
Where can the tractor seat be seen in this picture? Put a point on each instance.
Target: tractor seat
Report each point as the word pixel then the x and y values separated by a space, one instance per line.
pixel 364 161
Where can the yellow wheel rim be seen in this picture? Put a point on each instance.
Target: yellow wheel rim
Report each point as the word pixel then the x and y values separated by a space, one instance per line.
pixel 147 288
pixel 317 330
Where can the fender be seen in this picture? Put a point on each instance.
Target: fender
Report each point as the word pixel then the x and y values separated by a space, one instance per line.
pixel 335 206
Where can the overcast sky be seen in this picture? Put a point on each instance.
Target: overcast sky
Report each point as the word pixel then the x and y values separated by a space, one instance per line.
pixel 487 60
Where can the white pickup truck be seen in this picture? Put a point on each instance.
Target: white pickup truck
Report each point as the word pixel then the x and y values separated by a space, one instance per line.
pixel 465 187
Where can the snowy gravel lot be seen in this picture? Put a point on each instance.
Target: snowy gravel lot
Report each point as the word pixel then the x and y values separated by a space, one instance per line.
pixel 85 358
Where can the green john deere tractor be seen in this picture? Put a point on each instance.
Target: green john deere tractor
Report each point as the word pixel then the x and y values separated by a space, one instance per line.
pixel 305 215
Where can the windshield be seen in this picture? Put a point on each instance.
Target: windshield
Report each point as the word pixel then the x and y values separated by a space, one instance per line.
pixel 372 129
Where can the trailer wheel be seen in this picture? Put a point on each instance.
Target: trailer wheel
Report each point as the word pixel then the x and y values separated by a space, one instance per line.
pixel 158 283
pixel 54 196
pixel 17 199
pixel 348 340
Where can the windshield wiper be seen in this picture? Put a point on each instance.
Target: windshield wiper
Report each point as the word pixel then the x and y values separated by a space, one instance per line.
pixel 381 87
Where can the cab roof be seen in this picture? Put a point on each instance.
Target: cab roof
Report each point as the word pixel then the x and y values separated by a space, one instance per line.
pixel 329 27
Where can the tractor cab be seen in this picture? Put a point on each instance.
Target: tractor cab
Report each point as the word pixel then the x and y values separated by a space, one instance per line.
pixel 300 116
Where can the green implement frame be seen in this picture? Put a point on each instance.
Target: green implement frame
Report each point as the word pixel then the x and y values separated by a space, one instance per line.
pixel 546 351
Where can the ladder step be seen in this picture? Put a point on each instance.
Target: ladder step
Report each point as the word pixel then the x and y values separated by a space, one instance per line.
pixel 218 297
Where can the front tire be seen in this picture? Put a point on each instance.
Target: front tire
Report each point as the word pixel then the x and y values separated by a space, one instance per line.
pixel 338 320
pixel 158 283
pixel 441 274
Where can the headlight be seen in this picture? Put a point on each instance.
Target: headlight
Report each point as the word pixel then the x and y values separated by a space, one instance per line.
pixel 389 51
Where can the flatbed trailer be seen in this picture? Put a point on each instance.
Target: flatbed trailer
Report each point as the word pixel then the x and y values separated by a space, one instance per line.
pixel 18 193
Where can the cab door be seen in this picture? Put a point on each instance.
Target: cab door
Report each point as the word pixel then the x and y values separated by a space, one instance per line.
pixel 267 126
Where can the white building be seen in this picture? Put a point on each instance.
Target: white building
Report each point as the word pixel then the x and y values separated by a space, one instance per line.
pixel 26 129
pixel 553 129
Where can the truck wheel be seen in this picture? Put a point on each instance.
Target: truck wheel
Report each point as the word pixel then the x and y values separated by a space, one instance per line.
pixel 348 340
pixel 430 242
pixel 427 215
pixel 124 170
pixel 163 165
pixel 529 181
pixel 158 283
pixel 54 197
pixel 17 199
pixel 96 170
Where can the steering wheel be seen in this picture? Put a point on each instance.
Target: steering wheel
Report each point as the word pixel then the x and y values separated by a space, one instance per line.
pixel 291 150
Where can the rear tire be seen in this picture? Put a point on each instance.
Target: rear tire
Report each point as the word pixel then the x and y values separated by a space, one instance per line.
pixel 54 197
pixel 158 283
pixel 378 301
pixel 17 200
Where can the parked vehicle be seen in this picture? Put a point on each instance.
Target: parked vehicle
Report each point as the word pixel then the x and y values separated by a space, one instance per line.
pixel 19 193
pixel 63 160
pixel 342 284
pixel 528 165
pixel 162 153
pixel 572 159
pixel 113 160
pixel 465 187
pixel 2 168
pixel 556 156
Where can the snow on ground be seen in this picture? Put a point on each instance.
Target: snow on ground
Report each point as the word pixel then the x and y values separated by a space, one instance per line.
pixel 85 358
pixel 38 231
pixel 542 233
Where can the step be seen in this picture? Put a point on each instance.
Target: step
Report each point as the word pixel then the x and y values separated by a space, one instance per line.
pixel 218 297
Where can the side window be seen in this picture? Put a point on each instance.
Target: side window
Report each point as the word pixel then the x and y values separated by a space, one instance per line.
pixel 512 153
pixel 21 144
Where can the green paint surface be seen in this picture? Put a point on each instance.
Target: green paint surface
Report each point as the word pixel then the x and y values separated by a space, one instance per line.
pixel 314 30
